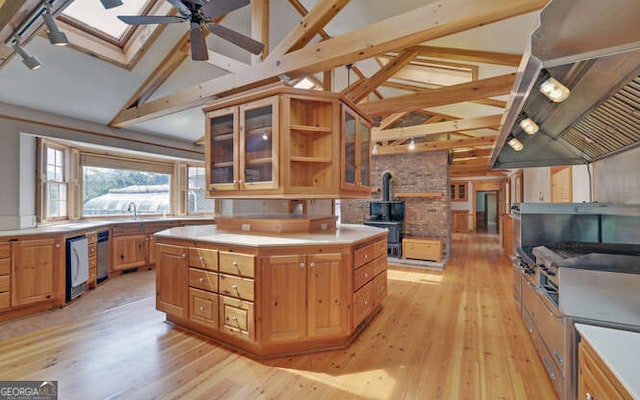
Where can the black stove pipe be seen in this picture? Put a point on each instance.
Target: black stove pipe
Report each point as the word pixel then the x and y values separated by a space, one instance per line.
pixel 386 177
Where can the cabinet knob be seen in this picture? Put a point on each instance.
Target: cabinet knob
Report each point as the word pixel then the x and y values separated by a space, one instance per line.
pixel 235 263
pixel 184 255
pixel 366 275
pixel 201 309
pixel 57 245
pixel 588 396
pixel 301 265
pixel 234 319
pixel 201 280
pixel 235 287
pixel 366 303
pixel 201 258
pixel 312 264
pixel 366 256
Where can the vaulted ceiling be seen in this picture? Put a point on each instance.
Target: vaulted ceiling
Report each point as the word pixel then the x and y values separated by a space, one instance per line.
pixel 436 74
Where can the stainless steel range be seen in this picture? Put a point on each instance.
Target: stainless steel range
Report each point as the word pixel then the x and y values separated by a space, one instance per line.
pixel 575 263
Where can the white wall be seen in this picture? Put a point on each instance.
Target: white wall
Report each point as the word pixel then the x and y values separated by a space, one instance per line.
pixel 581 186
pixel 537 184
pixel 10 176
pixel 617 178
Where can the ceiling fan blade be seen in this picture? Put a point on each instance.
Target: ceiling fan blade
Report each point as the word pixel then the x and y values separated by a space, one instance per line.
pixel 252 46
pixel 111 3
pixel 150 19
pixel 182 9
pixel 199 50
pixel 218 8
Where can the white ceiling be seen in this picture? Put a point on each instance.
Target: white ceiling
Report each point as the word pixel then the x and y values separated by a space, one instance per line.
pixel 74 84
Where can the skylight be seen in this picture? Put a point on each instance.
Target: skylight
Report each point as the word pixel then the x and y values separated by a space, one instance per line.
pixel 93 15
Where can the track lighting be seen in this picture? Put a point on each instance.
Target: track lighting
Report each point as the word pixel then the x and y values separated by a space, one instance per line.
pixel 56 37
pixel 554 90
pixel 412 144
pixel 515 144
pixel 111 3
pixel 529 126
pixel 374 149
pixel 29 60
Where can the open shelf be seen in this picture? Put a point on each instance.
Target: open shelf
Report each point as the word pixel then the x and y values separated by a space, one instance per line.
pixel 311 159
pixel 258 131
pixel 309 129
pixel 259 161
pixel 221 137
pixel 222 164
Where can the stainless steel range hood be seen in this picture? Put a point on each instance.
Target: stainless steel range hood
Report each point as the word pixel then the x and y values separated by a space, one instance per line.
pixel 593 48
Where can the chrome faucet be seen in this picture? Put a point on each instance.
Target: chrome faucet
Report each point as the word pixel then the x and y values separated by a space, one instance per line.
pixel 135 210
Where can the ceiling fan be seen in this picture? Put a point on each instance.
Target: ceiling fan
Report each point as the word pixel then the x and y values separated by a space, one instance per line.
pixel 200 15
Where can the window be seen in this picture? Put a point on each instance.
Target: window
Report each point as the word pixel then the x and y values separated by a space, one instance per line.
pixel 459 191
pixel 197 203
pixel 111 191
pixel 55 185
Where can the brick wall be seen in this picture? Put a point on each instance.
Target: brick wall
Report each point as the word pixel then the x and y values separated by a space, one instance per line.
pixel 419 172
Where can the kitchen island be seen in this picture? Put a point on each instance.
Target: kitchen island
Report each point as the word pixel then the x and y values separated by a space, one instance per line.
pixel 272 294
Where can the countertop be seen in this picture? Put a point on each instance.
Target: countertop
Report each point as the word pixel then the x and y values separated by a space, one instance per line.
pixel 344 234
pixel 620 351
pixel 91 224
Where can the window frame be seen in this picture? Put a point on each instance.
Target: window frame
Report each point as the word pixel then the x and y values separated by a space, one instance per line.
pixel 43 187
pixel 455 191
pixel 204 189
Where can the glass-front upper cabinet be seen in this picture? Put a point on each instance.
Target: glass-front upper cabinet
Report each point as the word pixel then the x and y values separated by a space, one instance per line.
pixel 356 152
pixel 259 139
pixel 222 149
pixel 241 146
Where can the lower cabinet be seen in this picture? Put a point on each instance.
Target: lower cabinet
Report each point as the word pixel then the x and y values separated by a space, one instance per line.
pixel 172 276
pixel 304 296
pixel 34 270
pixel 130 252
pixel 595 380
pixel 266 301
pixel 5 275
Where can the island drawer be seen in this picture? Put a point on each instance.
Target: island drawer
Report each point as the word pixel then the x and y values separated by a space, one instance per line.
pixel 203 258
pixel 4 300
pixel 5 266
pixel 379 288
pixel 379 265
pixel 235 286
pixel 203 280
pixel 4 283
pixel 237 264
pixel 362 275
pixel 380 248
pixel 91 249
pixel 237 318
pixel 363 255
pixel 93 262
pixel 203 307
pixel 362 304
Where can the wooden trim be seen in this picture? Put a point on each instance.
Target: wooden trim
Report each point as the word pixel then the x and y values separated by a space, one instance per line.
pixel 224 62
pixel 495 86
pixel 422 195
pixel 427 22
pixel 260 27
pixel 414 88
pixel 387 122
pixel 436 128
pixel 476 153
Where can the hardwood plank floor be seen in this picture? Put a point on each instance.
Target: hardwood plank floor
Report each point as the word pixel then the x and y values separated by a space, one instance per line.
pixel 441 335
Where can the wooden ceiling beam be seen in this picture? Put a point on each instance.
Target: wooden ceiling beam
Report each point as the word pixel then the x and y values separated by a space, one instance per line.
pixel 226 63
pixel 472 153
pixel 478 173
pixel 260 27
pixel 302 10
pixel 381 76
pixel 391 119
pixel 438 145
pixel 437 128
pixel 427 22
pixel 309 26
pixel 477 56
pixel 420 89
pixel 361 75
pixel 495 86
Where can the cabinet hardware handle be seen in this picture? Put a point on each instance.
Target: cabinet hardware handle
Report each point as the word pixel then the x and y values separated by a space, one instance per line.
pixel 312 264
pixel 201 258
pixel 184 255
pixel 234 287
pixel 366 256
pixel 239 182
pixel 558 356
pixel 234 319
pixel 201 280
pixel 588 396
pixel 366 275
pixel 201 309
pixel 549 370
pixel 57 245
pixel 366 303
pixel 301 265
pixel 235 263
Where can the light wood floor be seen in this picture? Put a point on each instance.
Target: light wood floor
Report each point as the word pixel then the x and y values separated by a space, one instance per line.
pixel 441 335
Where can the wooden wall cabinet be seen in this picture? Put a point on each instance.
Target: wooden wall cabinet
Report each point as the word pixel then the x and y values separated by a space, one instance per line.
pixel 35 266
pixel 282 142
pixel 459 191
pixel 304 296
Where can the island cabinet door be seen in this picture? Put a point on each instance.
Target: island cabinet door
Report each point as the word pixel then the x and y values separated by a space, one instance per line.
pixel 284 292
pixel 327 295
pixel 172 279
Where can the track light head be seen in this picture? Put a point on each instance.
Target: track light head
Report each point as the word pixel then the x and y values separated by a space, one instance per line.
pixel 29 60
pixel 412 144
pixel 56 37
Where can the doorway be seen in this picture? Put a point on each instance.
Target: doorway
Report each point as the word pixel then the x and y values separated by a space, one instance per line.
pixel 487 212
